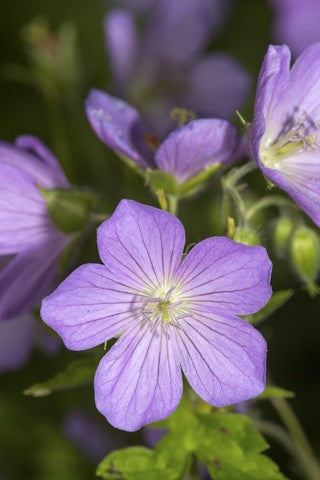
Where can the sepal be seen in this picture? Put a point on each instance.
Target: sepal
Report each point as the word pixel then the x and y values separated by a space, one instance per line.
pixel 69 210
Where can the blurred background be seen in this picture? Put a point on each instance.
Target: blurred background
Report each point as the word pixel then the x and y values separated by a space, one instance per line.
pixel 51 54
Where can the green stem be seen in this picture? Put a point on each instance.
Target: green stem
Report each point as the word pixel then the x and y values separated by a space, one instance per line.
pixel 229 185
pixel 237 173
pixel 225 211
pixel 173 203
pixel 266 202
pixel 300 441
pixel 278 433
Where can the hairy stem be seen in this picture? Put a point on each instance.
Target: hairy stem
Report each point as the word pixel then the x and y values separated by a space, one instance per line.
pixel 266 202
pixel 300 441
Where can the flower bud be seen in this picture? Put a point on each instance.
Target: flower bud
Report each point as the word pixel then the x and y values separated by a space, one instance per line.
pixel 69 210
pixel 281 235
pixel 54 56
pixel 247 236
pixel 305 256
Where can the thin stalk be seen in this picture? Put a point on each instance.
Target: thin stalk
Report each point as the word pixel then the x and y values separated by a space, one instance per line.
pixel 225 211
pixel 266 202
pixel 239 203
pixel 278 433
pixel 173 204
pixel 301 443
pixel 229 185
pixel 237 173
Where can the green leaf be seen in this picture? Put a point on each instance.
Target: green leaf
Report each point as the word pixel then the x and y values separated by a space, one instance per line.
pixel 227 443
pixel 77 373
pixel 231 448
pixel 277 300
pixel 133 463
pixel 173 453
pixel 275 392
pixel 160 180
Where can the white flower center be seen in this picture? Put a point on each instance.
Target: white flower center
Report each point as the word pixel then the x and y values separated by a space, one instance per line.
pixel 164 308
pixel 298 136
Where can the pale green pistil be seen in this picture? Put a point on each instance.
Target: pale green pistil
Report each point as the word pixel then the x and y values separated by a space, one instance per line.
pixel 163 309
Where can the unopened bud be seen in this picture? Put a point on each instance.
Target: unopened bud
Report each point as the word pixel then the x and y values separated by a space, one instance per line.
pixel 54 56
pixel 68 209
pixel 305 256
pixel 247 236
pixel 281 235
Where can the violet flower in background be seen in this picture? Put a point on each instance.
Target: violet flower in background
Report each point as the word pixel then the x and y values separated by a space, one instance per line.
pixel 16 342
pixel 296 23
pixel 89 436
pixel 27 234
pixel 170 315
pixel 285 130
pixel 185 152
pixel 18 338
pixel 165 67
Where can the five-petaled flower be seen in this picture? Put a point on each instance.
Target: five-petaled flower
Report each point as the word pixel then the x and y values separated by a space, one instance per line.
pixel 184 153
pixel 285 129
pixel 170 314
pixel 29 241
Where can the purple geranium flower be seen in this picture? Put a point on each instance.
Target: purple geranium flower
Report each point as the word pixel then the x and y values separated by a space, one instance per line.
pixel 285 129
pixel 296 23
pixel 165 67
pixel 169 314
pixel 28 239
pixel 184 153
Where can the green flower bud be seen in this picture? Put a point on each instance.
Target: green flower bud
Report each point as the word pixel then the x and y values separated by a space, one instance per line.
pixel 54 56
pixel 68 209
pixel 247 236
pixel 305 256
pixel 281 235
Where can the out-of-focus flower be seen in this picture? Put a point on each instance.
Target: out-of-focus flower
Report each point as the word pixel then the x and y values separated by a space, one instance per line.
pixel 184 153
pixel 169 314
pixel 296 23
pixel 18 337
pixel 27 235
pixel 91 437
pixel 16 342
pixel 153 435
pixel 285 130
pixel 164 67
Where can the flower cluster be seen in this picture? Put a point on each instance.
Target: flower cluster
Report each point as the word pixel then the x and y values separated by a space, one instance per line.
pixel 172 312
